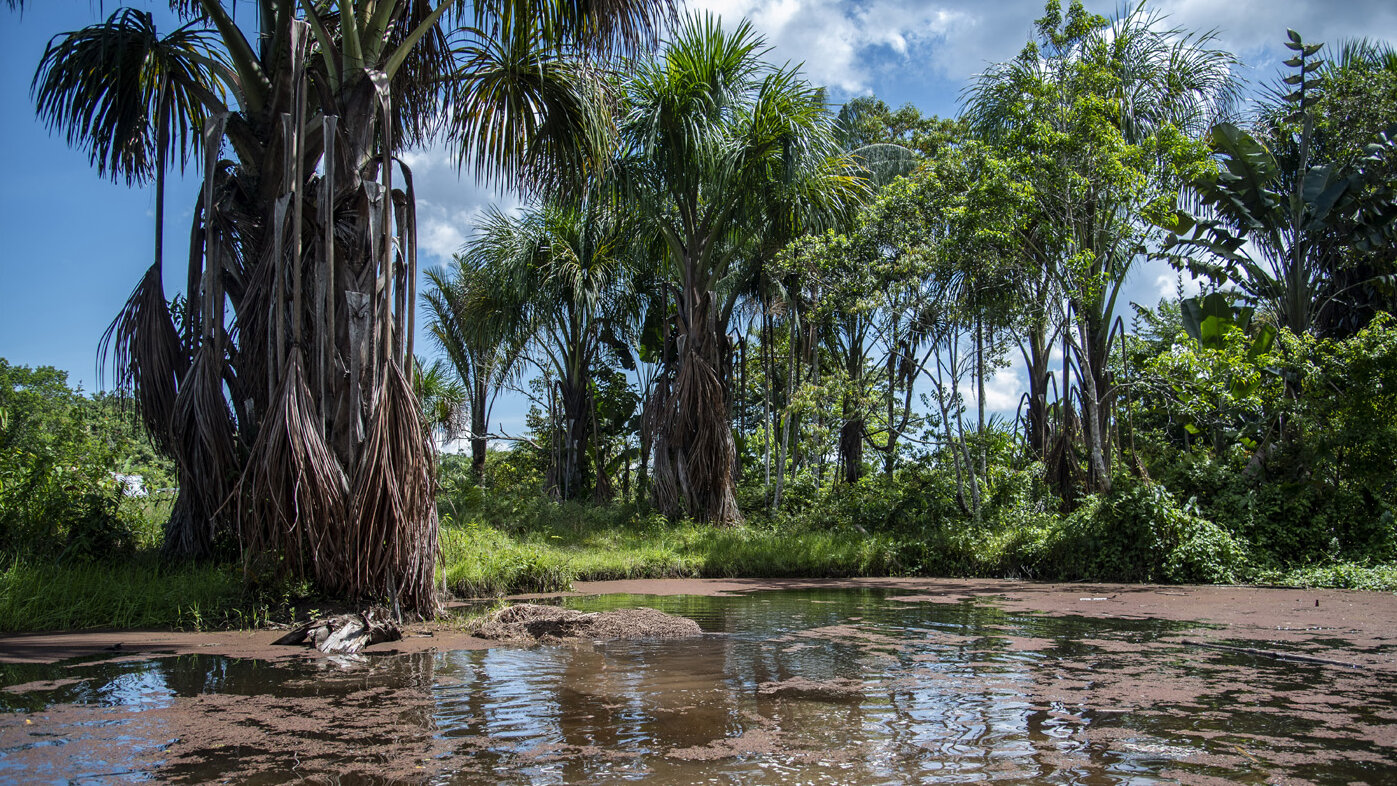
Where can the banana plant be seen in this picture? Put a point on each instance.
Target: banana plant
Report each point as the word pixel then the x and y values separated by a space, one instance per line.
pixel 1272 233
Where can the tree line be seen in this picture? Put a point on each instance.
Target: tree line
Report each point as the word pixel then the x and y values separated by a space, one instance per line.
pixel 838 306
pixel 715 277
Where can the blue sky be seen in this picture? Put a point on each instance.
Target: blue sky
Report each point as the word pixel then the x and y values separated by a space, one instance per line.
pixel 74 245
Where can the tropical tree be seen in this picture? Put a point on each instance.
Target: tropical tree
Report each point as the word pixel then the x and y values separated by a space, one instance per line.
pixel 483 352
pixel 556 279
pixel 717 144
pixel 1280 227
pixel 1100 116
pixel 151 109
pixel 294 425
pixel 442 398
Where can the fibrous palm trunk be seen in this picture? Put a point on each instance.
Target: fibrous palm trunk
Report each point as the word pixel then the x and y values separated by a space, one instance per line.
pixel 698 449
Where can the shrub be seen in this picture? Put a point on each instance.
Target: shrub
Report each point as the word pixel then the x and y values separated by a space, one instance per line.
pixel 1140 533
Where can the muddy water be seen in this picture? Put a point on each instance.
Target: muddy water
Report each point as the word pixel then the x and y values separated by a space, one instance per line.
pixel 846 687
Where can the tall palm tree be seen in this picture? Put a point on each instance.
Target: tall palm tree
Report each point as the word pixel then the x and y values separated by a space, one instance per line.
pixel 717 143
pixel 294 425
pixel 152 109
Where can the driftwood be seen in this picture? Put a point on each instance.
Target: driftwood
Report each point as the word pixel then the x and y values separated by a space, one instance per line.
pixel 344 633
pixel 1274 654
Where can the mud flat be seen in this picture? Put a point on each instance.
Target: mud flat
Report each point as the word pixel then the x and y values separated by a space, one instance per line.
pixel 868 681
pixel 1365 623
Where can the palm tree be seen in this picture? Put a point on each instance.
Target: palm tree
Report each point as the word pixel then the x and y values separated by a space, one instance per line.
pixel 295 424
pixel 558 277
pixel 153 108
pixel 442 398
pixel 718 143
pixel 1100 117
pixel 481 349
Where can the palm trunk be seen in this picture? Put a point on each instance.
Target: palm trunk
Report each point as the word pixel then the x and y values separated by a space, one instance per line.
pixel 699 436
pixel 479 396
pixel 791 371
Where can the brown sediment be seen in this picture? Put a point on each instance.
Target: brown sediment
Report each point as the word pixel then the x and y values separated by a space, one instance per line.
pixel 1366 622
pixel 251 644
pixel 1308 620
pixel 259 733
pixel 527 622
pixel 750 742
pixel 829 689
pixel 354 722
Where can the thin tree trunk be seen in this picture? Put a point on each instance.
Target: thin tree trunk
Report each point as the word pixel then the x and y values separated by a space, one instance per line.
pixel 768 335
pixel 980 393
pixel 786 419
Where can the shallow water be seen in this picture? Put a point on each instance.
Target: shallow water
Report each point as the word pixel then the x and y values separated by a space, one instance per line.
pixel 844 686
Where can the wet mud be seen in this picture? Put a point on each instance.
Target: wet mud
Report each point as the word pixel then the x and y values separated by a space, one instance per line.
pixel 883 682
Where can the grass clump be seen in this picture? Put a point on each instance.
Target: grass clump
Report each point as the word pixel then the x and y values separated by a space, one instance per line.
pixel 140 593
pixel 548 545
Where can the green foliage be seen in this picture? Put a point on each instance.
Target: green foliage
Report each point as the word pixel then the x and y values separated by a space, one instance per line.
pixel 58 452
pixel 1305 478
pixel 1138 532
pixel 1284 219
pixel 1222 390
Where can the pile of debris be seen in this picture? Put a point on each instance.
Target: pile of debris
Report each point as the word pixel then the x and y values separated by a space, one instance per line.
pixel 345 633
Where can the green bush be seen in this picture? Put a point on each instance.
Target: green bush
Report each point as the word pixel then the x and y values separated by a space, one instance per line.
pixel 58 451
pixel 1298 461
pixel 1138 532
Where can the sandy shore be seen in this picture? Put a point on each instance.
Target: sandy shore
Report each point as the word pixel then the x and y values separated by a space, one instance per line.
pixel 1366 622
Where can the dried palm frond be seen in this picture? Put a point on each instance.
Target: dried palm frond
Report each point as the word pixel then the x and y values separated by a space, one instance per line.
pixel 292 495
pixel 146 355
pixel 205 451
pixel 391 544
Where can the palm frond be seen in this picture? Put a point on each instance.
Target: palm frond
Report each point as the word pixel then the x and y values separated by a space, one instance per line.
pixel 120 91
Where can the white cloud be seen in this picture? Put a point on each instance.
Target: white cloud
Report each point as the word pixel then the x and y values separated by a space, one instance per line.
pixel 1005 388
pixel 841 42
pixel 1169 284
pixel 449 203
pixel 852 46
pixel 1255 29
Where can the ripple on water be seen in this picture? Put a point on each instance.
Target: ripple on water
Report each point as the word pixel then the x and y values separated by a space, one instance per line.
pixel 787 687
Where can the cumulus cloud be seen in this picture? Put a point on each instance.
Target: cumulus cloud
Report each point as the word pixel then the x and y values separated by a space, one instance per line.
pixel 846 45
pixel 1005 388
pixel 1254 29
pixel 853 47
pixel 449 203
pixel 1168 285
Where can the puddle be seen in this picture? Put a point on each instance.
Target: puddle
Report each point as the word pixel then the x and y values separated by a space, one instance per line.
pixel 838 686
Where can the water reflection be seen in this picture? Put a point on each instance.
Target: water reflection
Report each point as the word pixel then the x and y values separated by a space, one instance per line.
pixel 787 687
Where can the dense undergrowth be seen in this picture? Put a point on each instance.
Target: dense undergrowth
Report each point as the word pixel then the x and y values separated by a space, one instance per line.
pixel 1224 483
pixel 1138 534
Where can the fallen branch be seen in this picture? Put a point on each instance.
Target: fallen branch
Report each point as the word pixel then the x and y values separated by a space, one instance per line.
pixel 1274 654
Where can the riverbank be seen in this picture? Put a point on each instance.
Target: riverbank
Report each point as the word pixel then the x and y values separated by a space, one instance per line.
pixel 1358 628
pixel 553 548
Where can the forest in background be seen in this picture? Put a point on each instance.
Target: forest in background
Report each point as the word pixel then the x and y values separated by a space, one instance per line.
pixel 757 334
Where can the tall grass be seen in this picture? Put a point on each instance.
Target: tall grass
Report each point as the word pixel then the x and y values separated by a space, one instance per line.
pixel 549 546
pixel 142 593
